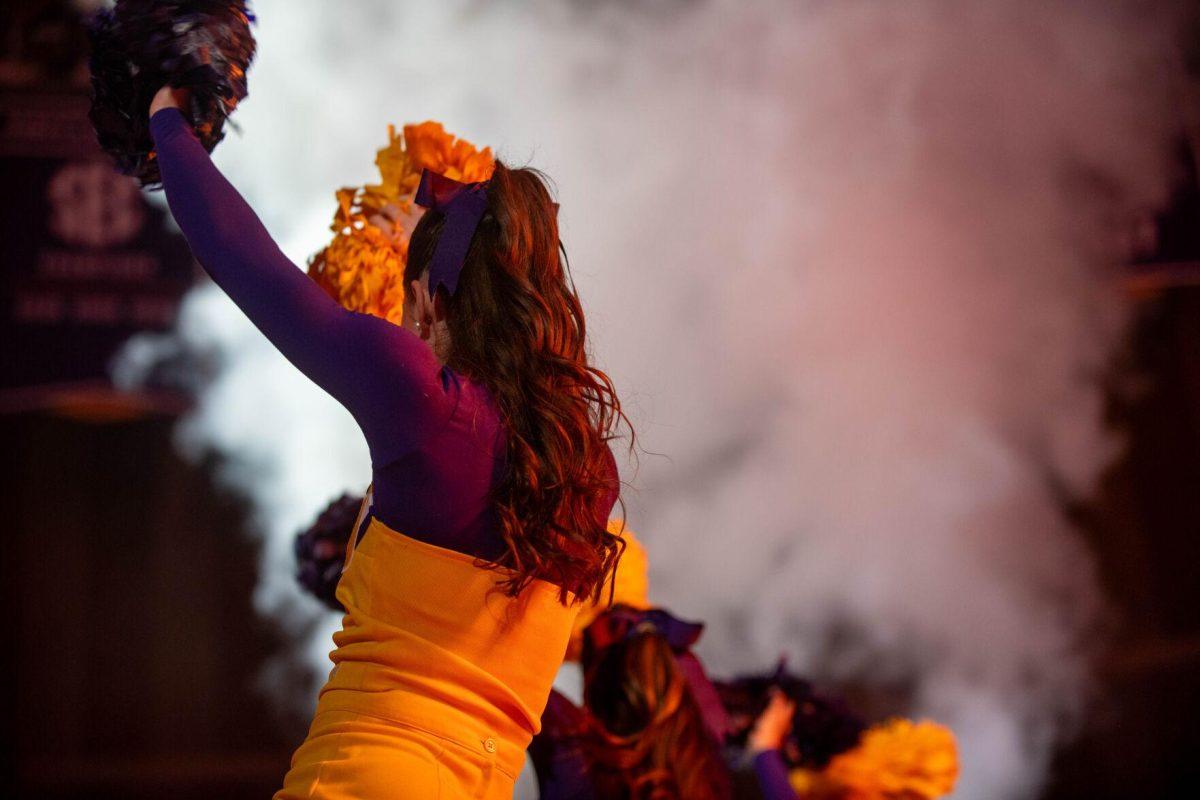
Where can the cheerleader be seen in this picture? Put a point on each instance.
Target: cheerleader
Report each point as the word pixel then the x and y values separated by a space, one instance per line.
pixel 488 432
pixel 652 726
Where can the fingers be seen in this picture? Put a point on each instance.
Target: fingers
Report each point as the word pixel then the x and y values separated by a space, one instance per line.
pixel 779 703
pixel 169 97
pixel 772 725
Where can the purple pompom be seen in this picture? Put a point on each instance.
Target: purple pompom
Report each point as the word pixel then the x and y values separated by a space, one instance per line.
pixel 140 46
pixel 321 549
pixel 822 727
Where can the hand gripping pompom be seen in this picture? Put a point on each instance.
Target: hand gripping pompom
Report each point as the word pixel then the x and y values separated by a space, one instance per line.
pixel 139 46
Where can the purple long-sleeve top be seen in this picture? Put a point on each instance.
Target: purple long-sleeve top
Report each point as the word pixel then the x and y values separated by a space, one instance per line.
pixel 436 438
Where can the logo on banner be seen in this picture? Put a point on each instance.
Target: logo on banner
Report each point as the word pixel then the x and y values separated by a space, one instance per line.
pixel 93 206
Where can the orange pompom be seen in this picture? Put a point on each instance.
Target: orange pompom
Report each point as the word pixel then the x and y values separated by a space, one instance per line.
pixel 363 267
pixel 897 760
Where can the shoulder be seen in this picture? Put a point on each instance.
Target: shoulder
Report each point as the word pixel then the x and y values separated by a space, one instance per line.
pixel 472 409
pixel 401 362
pixel 561 715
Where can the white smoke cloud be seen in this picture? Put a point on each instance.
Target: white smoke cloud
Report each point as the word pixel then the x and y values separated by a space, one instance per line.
pixel 851 266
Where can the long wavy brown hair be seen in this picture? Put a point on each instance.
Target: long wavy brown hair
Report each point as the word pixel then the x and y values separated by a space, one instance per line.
pixel 645 738
pixel 516 325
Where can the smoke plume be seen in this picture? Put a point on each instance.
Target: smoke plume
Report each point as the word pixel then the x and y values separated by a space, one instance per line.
pixel 852 267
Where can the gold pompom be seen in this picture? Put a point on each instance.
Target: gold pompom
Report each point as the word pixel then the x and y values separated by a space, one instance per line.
pixel 363 266
pixel 629 585
pixel 896 760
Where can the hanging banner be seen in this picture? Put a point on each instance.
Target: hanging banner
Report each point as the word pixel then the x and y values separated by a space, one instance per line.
pixel 87 260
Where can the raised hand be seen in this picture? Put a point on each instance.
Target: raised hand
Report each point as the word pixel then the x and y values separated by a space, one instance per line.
pixel 169 97
pixel 772 724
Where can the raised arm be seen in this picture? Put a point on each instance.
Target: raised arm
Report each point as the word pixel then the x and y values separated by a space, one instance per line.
pixel 764 743
pixel 384 375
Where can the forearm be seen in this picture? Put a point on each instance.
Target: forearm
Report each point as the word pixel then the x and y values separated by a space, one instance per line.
pixel 234 247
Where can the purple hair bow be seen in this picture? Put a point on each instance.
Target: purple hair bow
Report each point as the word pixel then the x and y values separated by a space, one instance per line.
pixel 623 622
pixel 463 205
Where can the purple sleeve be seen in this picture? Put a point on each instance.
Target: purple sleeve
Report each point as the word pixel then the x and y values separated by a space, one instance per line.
pixel 557 758
pixel 772 775
pixel 384 375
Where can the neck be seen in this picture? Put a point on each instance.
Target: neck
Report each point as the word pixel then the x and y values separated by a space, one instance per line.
pixel 439 341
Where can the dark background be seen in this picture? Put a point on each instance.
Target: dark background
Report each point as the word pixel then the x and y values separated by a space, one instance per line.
pixel 133 648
